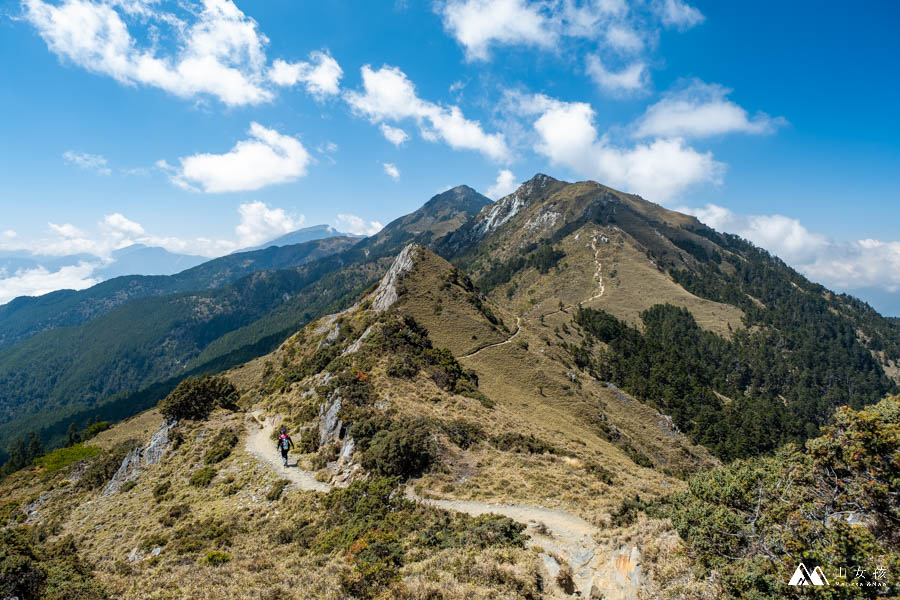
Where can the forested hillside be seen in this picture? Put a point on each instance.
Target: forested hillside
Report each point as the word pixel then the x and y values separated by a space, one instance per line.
pixel 26 316
pixel 106 361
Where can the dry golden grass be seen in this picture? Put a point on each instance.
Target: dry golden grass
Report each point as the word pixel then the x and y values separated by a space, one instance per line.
pixel 667 568
pixel 445 309
pixel 631 284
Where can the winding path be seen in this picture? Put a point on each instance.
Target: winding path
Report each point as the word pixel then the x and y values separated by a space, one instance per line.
pixel 598 275
pixel 557 532
pixel 260 445
pixel 495 344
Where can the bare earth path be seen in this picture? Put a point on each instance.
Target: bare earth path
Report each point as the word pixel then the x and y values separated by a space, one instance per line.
pixel 568 536
pixel 598 275
pixel 260 444
pixel 495 344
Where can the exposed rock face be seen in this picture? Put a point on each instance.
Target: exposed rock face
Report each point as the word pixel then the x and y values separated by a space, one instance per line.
pixel 329 424
pixel 386 294
pixel 147 455
pixel 158 445
pixel 355 346
pixel 620 578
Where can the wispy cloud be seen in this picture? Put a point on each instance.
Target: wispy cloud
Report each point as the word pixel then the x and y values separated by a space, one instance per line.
pixel 699 110
pixel 321 75
pixel 844 265
pixel 38 281
pixel 391 170
pixel 619 31
pixel 88 162
pixel 394 135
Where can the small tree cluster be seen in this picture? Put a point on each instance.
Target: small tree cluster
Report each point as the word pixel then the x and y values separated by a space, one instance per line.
pixel 196 397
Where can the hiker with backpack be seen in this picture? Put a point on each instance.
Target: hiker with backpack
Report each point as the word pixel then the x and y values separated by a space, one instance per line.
pixel 285 443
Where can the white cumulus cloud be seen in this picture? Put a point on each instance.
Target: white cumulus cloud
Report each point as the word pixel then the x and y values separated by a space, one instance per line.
pixel 477 24
pixel 658 170
pixel 388 95
pixel 259 223
pixel 88 162
pixel 844 265
pixel 213 48
pixel 267 158
pixel 357 225
pixel 505 184
pixel 321 75
pixel 614 29
pixel 391 170
pixel 678 14
pixel 118 223
pixel 701 110
pixel 629 80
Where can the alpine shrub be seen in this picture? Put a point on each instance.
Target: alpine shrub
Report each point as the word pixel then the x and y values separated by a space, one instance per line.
pixel 196 397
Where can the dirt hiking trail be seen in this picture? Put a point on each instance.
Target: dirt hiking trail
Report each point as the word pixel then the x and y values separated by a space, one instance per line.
pixel 558 533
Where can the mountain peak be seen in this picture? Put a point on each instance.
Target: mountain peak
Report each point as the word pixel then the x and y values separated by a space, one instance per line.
pixel 460 198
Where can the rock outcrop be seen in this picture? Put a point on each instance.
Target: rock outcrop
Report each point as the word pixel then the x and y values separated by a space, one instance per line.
pixel 386 293
pixel 142 456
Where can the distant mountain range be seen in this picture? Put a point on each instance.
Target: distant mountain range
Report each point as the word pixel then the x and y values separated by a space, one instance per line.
pixel 781 352
pixel 140 259
pixel 68 352
pixel 307 234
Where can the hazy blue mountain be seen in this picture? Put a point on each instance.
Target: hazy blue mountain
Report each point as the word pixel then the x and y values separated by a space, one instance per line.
pixel 139 259
pixel 307 234
pixel 26 316
pixel 12 261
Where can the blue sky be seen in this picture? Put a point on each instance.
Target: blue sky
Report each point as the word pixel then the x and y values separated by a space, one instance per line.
pixel 204 126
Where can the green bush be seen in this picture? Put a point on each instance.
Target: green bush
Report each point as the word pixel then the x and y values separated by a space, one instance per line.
pixel 105 465
pixel 404 450
pixel 277 489
pixel 188 546
pixel 463 433
pixel 516 442
pixel 627 511
pixel 59 459
pixel 377 559
pixel 161 491
pixel 215 558
pixel 363 430
pixel 52 572
pixel 459 531
pixel 128 486
pixel 196 397
pixel 175 514
pixel 154 540
pixel 753 519
pixel 202 476
pixel 405 366
pixel 221 447
pixel 93 429
pixel 309 440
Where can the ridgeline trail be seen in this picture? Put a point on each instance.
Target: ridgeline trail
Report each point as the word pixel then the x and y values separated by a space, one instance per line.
pixel 557 532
